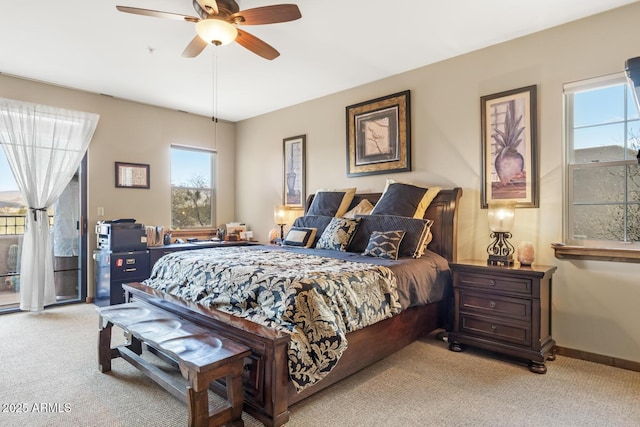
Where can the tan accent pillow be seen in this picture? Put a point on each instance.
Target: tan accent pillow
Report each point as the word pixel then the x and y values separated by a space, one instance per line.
pixel 363 208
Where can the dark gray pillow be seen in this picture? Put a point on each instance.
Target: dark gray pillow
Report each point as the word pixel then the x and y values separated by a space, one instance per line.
pixel 326 203
pixel 313 221
pixel 413 244
pixel 400 199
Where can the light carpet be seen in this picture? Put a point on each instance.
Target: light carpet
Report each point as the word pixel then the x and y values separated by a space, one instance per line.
pixel 49 377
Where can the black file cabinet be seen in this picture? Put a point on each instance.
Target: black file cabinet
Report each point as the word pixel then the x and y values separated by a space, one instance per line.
pixel 115 268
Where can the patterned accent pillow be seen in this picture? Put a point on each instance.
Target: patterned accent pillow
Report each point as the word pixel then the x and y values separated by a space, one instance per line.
pixel 384 244
pixel 300 237
pixel 414 242
pixel 338 234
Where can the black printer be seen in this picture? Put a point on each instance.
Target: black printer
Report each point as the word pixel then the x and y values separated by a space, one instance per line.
pixel 120 235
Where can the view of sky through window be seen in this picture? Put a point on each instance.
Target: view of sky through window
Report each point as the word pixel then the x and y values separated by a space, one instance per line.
pixel 188 164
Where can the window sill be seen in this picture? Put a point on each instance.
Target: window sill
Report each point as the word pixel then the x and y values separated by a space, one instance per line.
pixel 197 233
pixel 597 254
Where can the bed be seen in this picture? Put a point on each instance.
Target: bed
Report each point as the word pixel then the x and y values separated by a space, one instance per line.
pixel 270 383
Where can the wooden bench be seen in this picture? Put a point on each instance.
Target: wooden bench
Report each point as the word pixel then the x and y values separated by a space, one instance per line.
pixel 201 356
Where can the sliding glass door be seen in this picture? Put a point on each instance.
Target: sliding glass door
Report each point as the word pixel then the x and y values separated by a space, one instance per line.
pixel 67 221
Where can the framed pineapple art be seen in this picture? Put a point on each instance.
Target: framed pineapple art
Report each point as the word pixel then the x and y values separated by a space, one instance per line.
pixel 510 148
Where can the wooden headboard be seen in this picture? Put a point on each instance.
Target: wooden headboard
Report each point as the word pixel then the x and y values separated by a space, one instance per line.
pixel 443 211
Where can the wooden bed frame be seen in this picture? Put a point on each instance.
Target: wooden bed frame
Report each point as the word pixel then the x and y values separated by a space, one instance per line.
pixel 268 392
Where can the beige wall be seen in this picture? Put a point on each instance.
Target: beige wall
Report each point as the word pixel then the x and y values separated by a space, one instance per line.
pixel 138 133
pixel 594 303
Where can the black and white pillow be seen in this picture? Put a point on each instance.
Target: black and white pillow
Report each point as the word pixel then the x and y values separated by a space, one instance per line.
pixel 313 221
pixel 384 244
pixel 300 237
pixel 338 234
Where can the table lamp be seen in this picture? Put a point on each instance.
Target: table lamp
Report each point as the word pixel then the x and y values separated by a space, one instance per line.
pixel 501 217
pixel 285 215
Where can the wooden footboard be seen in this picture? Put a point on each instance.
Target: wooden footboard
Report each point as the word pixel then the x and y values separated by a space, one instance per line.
pixel 375 342
pixel 268 392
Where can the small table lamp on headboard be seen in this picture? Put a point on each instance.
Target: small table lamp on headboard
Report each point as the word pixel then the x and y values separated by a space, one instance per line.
pixel 285 215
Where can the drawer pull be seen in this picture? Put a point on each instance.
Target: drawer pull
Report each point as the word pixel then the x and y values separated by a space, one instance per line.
pixel 492 304
pixel 492 282
pixel 493 328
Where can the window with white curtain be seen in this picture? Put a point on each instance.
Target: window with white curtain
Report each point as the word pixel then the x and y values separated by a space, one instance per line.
pixel 603 176
pixel 192 188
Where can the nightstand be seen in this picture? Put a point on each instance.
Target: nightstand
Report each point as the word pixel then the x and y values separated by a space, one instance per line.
pixel 504 309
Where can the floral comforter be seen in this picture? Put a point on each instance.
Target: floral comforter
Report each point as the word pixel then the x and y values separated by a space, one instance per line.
pixel 316 299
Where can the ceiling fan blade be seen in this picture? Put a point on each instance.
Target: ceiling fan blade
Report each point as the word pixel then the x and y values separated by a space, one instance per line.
pixel 194 48
pixel 256 45
pixel 157 13
pixel 209 6
pixel 267 15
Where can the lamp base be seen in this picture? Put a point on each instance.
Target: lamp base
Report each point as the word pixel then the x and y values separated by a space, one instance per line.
pixel 504 261
pixel 500 250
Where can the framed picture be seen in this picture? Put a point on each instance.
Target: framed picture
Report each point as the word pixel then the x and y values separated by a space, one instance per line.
pixel 510 147
pixel 293 185
pixel 379 135
pixel 132 175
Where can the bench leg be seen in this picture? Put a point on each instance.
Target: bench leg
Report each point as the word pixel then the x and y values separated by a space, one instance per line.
pixel 135 345
pixel 198 407
pixel 198 401
pixel 236 398
pixel 104 347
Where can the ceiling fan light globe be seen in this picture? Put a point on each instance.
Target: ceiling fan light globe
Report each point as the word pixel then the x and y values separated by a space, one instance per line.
pixel 216 31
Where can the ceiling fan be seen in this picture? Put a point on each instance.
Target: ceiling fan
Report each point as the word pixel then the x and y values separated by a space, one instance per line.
pixel 218 20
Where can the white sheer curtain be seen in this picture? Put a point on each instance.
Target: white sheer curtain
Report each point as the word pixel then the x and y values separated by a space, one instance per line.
pixel 44 147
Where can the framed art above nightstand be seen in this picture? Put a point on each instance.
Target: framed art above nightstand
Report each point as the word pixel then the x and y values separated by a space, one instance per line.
pixel 504 309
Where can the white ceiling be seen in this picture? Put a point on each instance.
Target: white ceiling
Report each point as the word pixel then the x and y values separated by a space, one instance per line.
pixel 338 44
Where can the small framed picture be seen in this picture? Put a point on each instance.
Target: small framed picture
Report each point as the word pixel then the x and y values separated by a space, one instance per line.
pixel 293 185
pixel 132 175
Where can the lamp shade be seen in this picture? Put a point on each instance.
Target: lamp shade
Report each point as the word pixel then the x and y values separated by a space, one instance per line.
pixel 284 215
pixel 216 31
pixel 502 214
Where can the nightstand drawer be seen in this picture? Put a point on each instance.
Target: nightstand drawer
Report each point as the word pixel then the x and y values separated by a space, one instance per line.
pixel 495 305
pixel 496 329
pixel 494 283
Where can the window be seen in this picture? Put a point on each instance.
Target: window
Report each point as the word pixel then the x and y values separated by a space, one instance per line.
pixel 12 206
pixel 192 189
pixel 603 175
